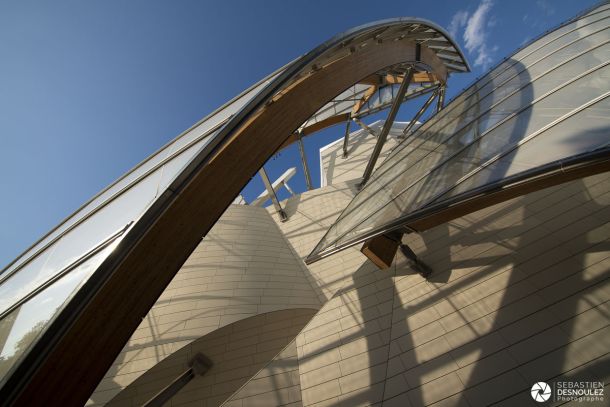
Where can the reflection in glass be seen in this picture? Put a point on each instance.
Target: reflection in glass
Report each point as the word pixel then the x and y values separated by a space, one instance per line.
pixel 20 328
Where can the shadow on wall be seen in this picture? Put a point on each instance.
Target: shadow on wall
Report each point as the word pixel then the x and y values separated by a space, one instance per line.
pixel 526 300
pixel 522 297
pixel 519 294
pixel 238 352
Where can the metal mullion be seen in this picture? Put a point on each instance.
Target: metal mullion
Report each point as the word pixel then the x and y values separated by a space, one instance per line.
pixel 304 161
pixel 346 137
pixel 441 99
pixel 364 126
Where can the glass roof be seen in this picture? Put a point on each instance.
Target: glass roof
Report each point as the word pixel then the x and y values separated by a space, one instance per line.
pixel 546 105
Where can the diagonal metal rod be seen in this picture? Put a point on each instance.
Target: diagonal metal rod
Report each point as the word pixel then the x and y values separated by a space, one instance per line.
pixel 271 192
pixel 421 111
pixel 402 90
pixel 408 96
pixel 440 102
pixel 304 161
pixel 346 138
pixel 364 126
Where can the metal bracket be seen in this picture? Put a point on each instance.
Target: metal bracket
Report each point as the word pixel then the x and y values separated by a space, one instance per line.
pixel 422 268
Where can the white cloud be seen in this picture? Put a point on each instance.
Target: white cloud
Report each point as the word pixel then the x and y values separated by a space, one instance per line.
pixel 475 34
pixel 458 21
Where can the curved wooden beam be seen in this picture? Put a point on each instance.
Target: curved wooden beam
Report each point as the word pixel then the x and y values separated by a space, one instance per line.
pixel 418 77
pixel 367 95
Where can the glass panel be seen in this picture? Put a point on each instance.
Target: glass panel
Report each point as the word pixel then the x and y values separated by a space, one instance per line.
pixel 542 47
pixel 584 132
pixel 405 169
pixel 103 197
pixel 85 237
pixel 144 167
pixel 412 164
pixel 20 328
pixel 519 76
pixel 172 168
pixel 205 126
pixel 406 196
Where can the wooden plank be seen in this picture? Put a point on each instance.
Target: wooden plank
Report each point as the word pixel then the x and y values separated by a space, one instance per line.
pixel 418 77
pixel 367 95
pixel 381 250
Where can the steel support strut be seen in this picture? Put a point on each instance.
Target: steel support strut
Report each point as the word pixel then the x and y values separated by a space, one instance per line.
pixel 271 192
pixel 364 126
pixel 421 111
pixel 440 102
pixel 304 161
pixel 346 138
pixel 402 90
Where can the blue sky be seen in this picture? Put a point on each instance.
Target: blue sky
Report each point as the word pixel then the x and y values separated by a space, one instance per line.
pixel 90 88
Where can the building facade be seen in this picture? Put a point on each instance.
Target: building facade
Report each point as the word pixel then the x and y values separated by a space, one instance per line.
pixel 458 261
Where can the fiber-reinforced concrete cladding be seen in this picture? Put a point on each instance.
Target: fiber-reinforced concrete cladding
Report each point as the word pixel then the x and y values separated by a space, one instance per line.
pixel 168 288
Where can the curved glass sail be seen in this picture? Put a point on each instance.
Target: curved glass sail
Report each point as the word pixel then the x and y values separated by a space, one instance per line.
pixel 546 105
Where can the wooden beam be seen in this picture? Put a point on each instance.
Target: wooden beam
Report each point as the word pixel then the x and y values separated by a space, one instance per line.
pixel 424 77
pixel 418 77
pixel 331 121
pixel 381 250
pixel 322 124
pixel 367 95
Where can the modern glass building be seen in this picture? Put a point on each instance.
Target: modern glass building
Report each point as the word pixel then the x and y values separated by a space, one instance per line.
pixel 498 204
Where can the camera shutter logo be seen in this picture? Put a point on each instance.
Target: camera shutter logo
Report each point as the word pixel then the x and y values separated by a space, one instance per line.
pixel 541 391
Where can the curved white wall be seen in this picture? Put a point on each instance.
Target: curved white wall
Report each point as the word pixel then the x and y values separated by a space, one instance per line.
pixel 244 267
